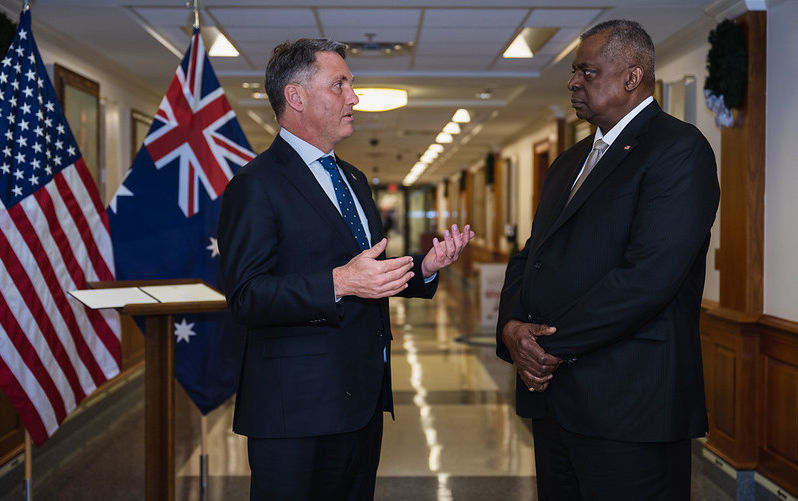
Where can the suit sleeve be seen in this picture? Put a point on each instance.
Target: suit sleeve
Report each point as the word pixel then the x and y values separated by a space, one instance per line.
pixel 510 300
pixel 676 207
pixel 249 236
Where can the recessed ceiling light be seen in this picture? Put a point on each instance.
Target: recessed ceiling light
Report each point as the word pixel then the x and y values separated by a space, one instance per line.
pixel 528 42
pixel 444 138
pixel 452 128
pixel 437 148
pixel 461 116
pixel 380 99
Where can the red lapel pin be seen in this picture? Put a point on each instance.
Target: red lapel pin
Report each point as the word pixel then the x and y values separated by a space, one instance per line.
pixel 627 146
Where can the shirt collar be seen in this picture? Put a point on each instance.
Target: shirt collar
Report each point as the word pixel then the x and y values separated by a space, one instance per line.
pixel 613 133
pixel 306 151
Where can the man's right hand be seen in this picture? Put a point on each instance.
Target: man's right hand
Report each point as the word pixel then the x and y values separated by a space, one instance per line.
pixel 365 276
pixel 534 365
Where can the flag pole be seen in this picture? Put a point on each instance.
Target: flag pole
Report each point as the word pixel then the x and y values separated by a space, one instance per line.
pixel 28 495
pixel 195 8
pixel 25 5
pixel 203 457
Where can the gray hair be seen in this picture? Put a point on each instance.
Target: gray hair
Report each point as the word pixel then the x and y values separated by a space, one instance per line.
pixel 293 62
pixel 628 42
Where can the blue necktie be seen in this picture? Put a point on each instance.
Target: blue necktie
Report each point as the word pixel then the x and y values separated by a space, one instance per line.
pixel 345 202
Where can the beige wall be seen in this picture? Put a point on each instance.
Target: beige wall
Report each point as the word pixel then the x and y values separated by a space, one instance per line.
pixel 689 58
pixel 781 174
pixel 119 93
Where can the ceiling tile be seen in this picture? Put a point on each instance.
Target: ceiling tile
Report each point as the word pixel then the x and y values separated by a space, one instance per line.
pixel 366 18
pixel 475 18
pixel 271 35
pixel 442 48
pixel 264 17
pixel 456 35
pixel 357 34
pixel 464 62
pixel 542 18
pixel 165 17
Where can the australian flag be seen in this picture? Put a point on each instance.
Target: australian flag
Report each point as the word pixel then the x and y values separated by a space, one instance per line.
pixel 163 217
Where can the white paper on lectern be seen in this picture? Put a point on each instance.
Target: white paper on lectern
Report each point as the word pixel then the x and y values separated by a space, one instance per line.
pixel 112 298
pixel 182 293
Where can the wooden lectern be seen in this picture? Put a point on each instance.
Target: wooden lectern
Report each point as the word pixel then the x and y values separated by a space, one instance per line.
pixel 159 380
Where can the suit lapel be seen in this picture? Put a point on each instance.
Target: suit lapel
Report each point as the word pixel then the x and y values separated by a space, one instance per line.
pixel 576 157
pixel 621 147
pixel 298 174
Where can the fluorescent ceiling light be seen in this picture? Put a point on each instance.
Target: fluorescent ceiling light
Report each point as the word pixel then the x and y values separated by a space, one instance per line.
pixel 212 37
pixel 518 49
pixel 443 137
pixel 380 99
pixel 452 128
pixel 528 42
pixel 437 148
pixel 461 116
pixel 222 48
pixel 430 153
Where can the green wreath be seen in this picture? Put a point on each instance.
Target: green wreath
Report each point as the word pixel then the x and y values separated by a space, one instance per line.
pixel 727 64
pixel 8 30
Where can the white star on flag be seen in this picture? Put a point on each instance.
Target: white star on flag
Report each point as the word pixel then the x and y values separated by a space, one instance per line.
pixel 184 331
pixel 213 247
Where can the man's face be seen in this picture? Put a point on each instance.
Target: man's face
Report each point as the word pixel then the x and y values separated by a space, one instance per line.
pixel 597 85
pixel 329 99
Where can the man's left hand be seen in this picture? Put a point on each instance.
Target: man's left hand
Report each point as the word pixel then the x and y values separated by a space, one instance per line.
pixel 444 253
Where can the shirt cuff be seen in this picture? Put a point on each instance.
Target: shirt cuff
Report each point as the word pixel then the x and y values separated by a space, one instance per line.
pixel 431 278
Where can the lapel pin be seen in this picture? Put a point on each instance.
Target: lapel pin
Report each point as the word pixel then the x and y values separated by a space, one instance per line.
pixel 627 146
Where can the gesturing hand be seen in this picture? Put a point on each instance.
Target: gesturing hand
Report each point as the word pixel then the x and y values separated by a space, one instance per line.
pixel 446 252
pixel 534 365
pixel 365 276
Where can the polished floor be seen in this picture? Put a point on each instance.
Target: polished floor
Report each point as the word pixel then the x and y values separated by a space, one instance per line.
pixel 456 435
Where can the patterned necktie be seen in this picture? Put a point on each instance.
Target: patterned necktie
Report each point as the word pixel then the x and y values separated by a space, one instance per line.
pixel 595 154
pixel 345 202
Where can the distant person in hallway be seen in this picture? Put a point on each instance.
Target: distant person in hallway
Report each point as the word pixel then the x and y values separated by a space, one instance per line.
pixel 599 311
pixel 302 251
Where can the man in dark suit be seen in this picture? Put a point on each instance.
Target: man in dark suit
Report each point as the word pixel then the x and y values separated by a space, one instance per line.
pixel 599 312
pixel 304 268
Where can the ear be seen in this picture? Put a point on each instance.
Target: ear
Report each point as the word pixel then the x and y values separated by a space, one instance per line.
pixel 634 78
pixel 294 96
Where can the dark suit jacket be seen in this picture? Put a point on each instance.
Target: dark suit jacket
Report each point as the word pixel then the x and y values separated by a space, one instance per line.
pixel 620 273
pixel 311 366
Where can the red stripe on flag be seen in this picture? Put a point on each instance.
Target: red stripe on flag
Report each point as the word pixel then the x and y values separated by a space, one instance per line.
pixel 233 148
pixel 43 316
pixel 78 274
pixel 22 404
pixel 22 343
pixel 192 66
pixel 79 218
pixel 85 176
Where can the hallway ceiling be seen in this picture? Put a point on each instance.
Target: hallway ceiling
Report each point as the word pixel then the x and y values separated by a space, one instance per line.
pixel 456 56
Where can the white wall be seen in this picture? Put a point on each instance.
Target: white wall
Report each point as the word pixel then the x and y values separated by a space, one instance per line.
pixel 781 173
pixel 689 58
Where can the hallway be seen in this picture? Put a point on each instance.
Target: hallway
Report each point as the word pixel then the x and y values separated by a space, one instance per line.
pixel 456 435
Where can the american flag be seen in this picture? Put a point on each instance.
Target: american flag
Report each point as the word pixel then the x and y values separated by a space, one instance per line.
pixel 54 238
pixel 164 216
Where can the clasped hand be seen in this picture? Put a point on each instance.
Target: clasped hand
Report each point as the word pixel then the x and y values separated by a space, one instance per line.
pixel 534 366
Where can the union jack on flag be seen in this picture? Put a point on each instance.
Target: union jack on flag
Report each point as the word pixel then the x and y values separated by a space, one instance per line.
pixel 164 215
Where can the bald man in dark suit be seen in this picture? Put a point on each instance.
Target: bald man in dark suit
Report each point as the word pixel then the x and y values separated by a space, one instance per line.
pixel 599 312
